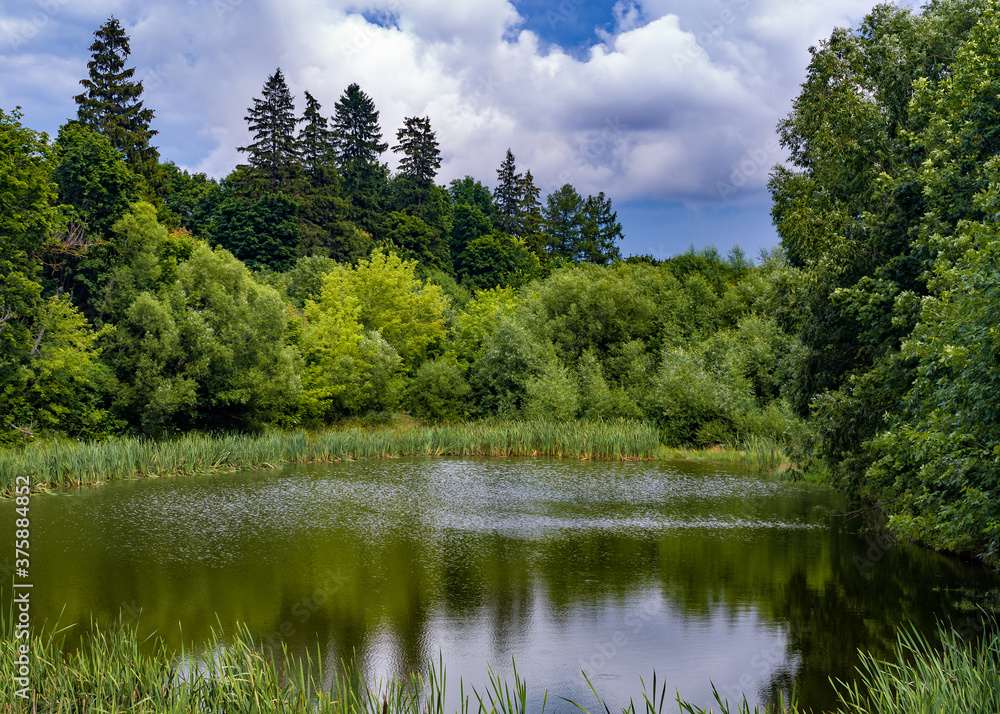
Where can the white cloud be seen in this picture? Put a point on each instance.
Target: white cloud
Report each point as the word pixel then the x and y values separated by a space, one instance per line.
pixel 663 106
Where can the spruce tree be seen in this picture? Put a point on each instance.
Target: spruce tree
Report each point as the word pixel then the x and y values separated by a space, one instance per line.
pixel 275 148
pixel 315 138
pixel 599 232
pixel 507 196
pixel 357 141
pixel 111 103
pixel 563 222
pixel 421 157
pixel 357 136
pixel 530 219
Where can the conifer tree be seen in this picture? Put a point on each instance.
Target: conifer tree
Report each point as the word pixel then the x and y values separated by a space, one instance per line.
pixel 111 103
pixel 421 157
pixel 315 138
pixel 530 219
pixel 507 196
pixel 563 219
pixel 357 136
pixel 275 148
pixel 599 232
pixel 357 141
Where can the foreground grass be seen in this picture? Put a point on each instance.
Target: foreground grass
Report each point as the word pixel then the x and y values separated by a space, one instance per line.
pixel 73 464
pixel 116 672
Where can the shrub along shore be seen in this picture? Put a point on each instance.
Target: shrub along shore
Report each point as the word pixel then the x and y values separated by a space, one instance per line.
pixel 66 463
pixel 116 671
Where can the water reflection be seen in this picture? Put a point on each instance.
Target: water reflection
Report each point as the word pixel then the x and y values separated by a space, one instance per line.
pixel 615 568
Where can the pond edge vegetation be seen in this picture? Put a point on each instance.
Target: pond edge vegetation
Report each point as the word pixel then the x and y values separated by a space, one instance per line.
pixel 61 464
pixel 119 671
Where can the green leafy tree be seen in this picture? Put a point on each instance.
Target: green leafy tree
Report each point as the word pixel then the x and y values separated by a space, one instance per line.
pixel 872 194
pixel 439 391
pixel 207 352
pixel 193 198
pixel 93 178
pixel 413 239
pixel 468 223
pixel 407 313
pixel 96 189
pixel 493 260
pixel 27 219
pixel 69 387
pixel 470 192
pixel 275 148
pixel 111 103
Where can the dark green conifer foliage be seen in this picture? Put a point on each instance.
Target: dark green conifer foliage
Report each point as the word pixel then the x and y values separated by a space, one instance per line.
pixel 357 136
pixel 358 144
pixel 419 147
pixel 563 219
pixel 531 221
pixel 275 148
pixel 507 196
pixel 111 103
pixel 600 231
pixel 315 138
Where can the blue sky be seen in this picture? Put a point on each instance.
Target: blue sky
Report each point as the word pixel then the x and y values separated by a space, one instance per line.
pixel 668 107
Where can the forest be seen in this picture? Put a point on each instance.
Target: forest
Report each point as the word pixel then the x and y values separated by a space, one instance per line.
pixel 312 286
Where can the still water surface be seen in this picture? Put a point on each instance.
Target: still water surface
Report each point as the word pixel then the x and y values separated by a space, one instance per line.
pixel 697 572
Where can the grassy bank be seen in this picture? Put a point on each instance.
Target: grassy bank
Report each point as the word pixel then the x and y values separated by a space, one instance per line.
pixel 754 453
pixel 72 464
pixel 116 672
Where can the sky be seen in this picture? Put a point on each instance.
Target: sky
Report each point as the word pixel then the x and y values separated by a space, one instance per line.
pixel 670 108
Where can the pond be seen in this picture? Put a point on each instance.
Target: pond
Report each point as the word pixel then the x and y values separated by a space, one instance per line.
pixel 699 572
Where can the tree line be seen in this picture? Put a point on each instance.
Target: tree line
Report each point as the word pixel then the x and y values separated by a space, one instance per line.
pixel 311 285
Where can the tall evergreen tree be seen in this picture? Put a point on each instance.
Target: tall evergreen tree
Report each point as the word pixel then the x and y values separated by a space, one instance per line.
pixel 315 138
pixel 275 148
pixel 563 221
pixel 507 196
pixel 599 232
pixel 531 221
pixel 418 145
pixel 357 136
pixel 358 144
pixel 111 103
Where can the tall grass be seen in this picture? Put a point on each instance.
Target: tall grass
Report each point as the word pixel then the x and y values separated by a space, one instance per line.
pixel 959 677
pixel 754 453
pixel 72 464
pixel 116 671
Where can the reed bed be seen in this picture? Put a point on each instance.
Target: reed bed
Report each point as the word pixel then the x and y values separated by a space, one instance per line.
pixel 60 464
pixel 117 671
pixel 753 453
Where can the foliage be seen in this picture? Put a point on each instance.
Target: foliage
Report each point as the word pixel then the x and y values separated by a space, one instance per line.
pixel 271 120
pixel 26 220
pixel 497 260
pixel 421 157
pixel 439 391
pixel 111 104
pixel 262 232
pixel 93 178
pixel 205 352
pixel 891 216
pixel 393 301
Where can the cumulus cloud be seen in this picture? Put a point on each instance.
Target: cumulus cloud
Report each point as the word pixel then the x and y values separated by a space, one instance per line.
pixel 668 104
